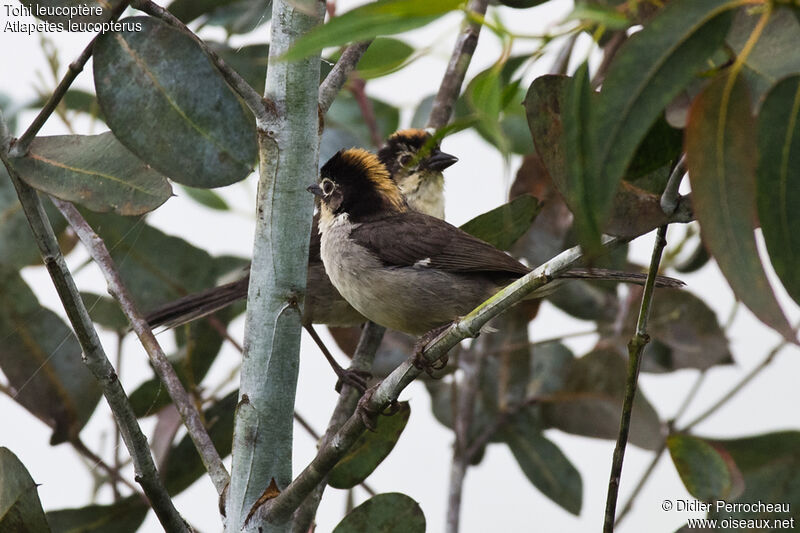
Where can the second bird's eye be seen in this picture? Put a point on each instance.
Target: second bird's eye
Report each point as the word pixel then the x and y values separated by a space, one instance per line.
pixel 327 187
pixel 405 159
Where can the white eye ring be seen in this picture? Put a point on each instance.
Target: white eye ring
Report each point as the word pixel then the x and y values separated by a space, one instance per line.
pixel 327 187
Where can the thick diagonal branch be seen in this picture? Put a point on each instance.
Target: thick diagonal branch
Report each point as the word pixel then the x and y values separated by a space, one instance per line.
pixel 183 402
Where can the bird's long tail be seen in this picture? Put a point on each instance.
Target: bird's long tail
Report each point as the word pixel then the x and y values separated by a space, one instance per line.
pixel 197 305
pixel 604 274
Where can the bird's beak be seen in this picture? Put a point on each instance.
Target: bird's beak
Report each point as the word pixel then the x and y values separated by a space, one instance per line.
pixel 316 190
pixel 440 160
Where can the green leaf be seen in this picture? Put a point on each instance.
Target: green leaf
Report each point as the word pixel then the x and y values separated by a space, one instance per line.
pixel 583 194
pixel 703 470
pixel 41 359
pixel 391 512
pixel 76 100
pixel 545 465
pixel 182 464
pixel 180 268
pixel 384 17
pixel 687 327
pixel 123 516
pixel 242 16
pixel 590 403
pixel 95 171
pixel 204 138
pixel 249 61
pixel 484 95
pixel 778 175
pixel 369 450
pixel 384 56
pixel 106 7
pixel 649 70
pixel 17 245
pixel 105 311
pixel 20 508
pixel 502 226
pixel 550 364
pixel 773 57
pixel 661 146
pixel 345 114
pixel 189 10
pixel 206 197
pixel 770 466
pixel 599 14
pixel 721 157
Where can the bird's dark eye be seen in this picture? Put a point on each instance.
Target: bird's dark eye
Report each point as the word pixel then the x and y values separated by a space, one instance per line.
pixel 405 159
pixel 327 187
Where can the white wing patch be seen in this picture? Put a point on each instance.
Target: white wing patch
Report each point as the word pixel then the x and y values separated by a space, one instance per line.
pixel 423 263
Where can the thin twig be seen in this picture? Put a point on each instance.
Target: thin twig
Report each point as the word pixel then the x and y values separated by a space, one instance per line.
pixel 94 355
pixel 337 77
pixel 457 68
pixel 635 349
pixel 112 472
pixel 166 373
pixel 669 198
pixel 258 105
pixel 348 399
pixel 358 90
pixel 736 389
pixel 280 509
pixel 20 148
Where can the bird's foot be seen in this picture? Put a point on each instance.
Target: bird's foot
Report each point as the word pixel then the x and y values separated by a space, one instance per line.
pixel 420 362
pixel 368 414
pixel 355 378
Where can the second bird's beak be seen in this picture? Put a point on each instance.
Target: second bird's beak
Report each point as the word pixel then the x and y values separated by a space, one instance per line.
pixel 440 160
pixel 316 190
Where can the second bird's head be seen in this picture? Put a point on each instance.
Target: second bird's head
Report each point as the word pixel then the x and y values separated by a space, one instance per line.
pixel 355 182
pixel 415 162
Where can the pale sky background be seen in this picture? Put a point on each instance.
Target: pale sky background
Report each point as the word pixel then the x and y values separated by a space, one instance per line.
pixel 497 496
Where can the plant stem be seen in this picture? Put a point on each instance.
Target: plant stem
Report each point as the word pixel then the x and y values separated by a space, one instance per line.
pixel 183 402
pixel 669 198
pixel 20 148
pixel 460 59
pixel 288 140
pixel 94 355
pixel 337 77
pixel 348 399
pixel 635 349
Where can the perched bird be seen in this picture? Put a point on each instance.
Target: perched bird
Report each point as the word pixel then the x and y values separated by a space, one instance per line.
pixel 417 163
pixel 402 269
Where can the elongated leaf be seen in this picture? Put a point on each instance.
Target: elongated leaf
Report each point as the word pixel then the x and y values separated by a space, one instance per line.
pixel 20 508
pixel 17 246
pixel 204 136
pixel 590 403
pixel 124 516
pixel 189 10
pixel 545 466
pixel 43 9
pixel 384 17
pixel 93 170
pixel 703 469
pixel 369 450
pixel 41 359
pixel 207 198
pixel 384 56
pixel 773 57
pixel 502 226
pixel 779 180
pixel 686 328
pixel 345 115
pixel 76 100
pixel 721 157
pixel 649 70
pixel 391 512
pixel 242 16
pixel 770 466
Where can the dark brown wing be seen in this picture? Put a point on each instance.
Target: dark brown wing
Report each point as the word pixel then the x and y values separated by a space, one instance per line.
pixel 411 238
